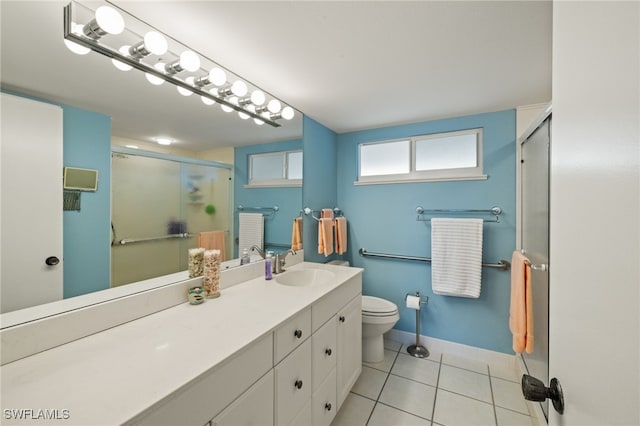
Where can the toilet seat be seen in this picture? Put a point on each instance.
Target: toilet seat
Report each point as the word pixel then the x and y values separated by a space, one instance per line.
pixel 377 307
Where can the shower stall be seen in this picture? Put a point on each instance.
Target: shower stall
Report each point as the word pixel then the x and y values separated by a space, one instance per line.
pixel 159 205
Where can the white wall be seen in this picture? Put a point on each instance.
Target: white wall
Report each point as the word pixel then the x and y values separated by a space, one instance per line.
pixel 595 197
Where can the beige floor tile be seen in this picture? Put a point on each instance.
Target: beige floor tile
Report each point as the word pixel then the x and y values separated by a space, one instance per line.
pixel 387 416
pixel 355 411
pixel 407 395
pixel 457 410
pixel 508 394
pixel 511 418
pixel 419 369
pixel 465 382
pixel 386 363
pixel 370 383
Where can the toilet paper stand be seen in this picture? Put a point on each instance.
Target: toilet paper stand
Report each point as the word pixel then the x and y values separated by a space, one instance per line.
pixel 417 350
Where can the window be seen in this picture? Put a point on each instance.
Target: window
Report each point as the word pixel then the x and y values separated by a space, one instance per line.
pixel 283 168
pixel 441 156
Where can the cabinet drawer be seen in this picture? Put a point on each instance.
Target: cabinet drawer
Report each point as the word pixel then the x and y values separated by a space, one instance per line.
pixel 323 402
pixel 324 353
pixel 254 407
pixel 291 334
pixel 203 399
pixel 293 383
pixel 327 306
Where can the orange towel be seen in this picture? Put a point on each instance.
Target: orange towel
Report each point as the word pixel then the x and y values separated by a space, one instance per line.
pixel 521 310
pixel 325 232
pixel 213 240
pixel 296 234
pixel 341 235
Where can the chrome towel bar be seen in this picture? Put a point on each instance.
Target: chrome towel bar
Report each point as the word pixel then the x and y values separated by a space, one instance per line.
pixel 503 265
pixel 495 211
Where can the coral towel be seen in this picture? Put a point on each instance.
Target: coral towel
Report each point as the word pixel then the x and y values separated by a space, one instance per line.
pixel 456 257
pixel 325 232
pixel 296 234
pixel 341 235
pixel 213 240
pixel 521 311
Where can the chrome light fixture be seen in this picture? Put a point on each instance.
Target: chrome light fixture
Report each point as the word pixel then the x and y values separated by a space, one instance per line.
pixel 131 43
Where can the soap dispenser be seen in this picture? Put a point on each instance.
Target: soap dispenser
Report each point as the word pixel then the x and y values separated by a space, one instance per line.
pixel 245 257
pixel 268 266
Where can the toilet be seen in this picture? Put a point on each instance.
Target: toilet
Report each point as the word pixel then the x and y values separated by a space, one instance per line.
pixel 378 317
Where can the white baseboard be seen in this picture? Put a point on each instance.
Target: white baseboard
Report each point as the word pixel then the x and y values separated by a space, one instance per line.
pixel 493 358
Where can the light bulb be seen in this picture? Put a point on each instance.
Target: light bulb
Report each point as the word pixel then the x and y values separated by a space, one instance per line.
pixel 155 43
pixel 72 45
pixel 217 76
pixel 239 88
pixel 274 106
pixel 189 61
pixel 107 21
pixel 119 64
pixel 257 97
pixel 243 115
pixel 156 81
pixel 164 141
pixel 258 121
pixel 207 101
pixel 287 113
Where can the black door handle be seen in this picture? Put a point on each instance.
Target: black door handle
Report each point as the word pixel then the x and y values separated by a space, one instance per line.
pixel 52 261
pixel 534 390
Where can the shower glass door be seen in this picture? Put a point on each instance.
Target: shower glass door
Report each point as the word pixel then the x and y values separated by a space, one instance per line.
pixel 159 207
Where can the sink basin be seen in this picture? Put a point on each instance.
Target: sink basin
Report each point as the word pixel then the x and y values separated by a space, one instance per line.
pixel 304 277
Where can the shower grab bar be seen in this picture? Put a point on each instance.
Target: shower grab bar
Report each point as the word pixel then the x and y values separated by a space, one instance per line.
pixel 495 211
pixel 273 209
pixel 307 211
pixel 126 241
pixel 502 264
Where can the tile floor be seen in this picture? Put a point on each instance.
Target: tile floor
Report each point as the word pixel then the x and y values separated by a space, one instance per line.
pixel 439 390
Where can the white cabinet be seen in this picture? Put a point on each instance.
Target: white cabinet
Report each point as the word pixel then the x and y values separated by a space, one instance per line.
pixel 254 407
pixel 290 334
pixel 293 384
pixel 324 353
pixel 349 345
pixel 323 402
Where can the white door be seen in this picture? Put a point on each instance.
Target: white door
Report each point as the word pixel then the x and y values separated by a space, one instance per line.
pixel 31 203
pixel 594 327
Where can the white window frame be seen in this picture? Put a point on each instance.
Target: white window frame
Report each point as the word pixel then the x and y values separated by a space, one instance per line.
pixel 453 174
pixel 276 182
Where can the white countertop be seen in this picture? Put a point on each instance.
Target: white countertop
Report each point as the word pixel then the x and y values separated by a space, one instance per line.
pixel 111 376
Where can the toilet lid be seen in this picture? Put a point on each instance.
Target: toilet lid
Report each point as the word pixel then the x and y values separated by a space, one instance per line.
pixel 376 305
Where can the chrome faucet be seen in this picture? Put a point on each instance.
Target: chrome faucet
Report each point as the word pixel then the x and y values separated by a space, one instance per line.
pixel 279 262
pixel 259 250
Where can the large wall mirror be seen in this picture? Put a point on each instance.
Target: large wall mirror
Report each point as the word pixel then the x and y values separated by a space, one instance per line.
pixel 105 110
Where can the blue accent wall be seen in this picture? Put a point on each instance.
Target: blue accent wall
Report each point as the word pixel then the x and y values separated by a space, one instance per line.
pixel 382 218
pixel 87 233
pixel 277 228
pixel 320 181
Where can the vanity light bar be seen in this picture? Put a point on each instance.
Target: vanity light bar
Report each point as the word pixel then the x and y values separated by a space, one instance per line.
pixel 259 115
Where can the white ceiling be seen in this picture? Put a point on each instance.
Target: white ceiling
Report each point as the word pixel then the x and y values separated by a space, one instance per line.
pixel 349 65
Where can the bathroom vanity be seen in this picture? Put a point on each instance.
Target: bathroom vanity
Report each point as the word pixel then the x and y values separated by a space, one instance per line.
pixel 284 351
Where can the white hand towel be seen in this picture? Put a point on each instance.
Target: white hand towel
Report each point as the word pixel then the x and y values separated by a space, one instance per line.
pixel 250 230
pixel 456 257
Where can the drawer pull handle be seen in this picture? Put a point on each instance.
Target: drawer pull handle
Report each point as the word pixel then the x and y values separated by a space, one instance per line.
pixel 341 318
pixel 298 384
pixel 327 406
pixel 328 351
pixel 298 333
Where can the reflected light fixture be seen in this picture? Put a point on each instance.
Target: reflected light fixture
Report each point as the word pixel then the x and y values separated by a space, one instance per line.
pixel 156 54
pixel 164 141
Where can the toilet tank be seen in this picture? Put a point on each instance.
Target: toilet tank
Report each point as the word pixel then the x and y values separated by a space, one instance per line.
pixel 339 262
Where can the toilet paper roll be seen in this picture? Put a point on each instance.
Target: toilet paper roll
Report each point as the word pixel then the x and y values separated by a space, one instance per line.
pixel 413 302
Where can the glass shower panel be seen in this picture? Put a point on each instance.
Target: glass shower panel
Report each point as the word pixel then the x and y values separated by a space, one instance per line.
pixel 206 203
pixel 146 198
